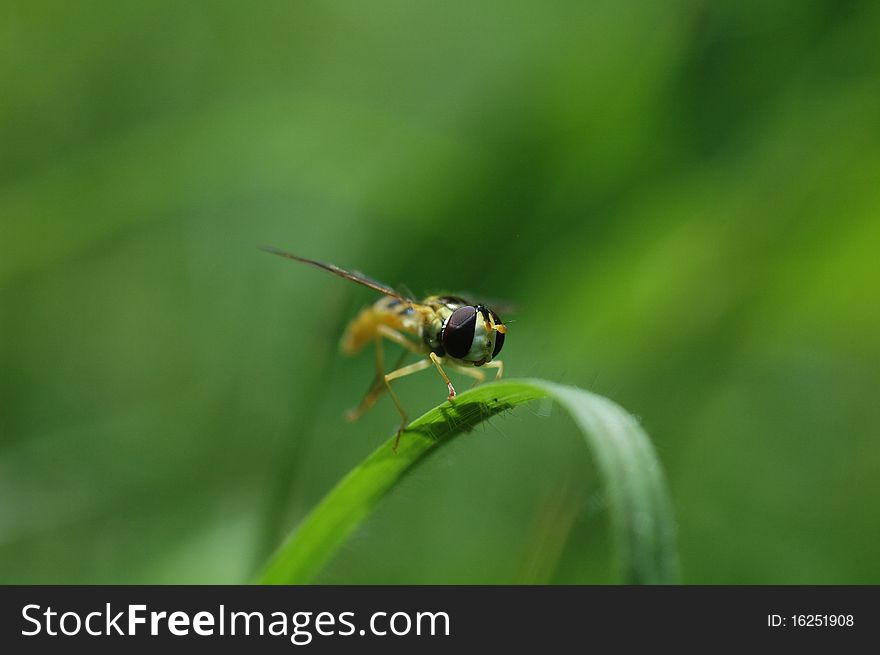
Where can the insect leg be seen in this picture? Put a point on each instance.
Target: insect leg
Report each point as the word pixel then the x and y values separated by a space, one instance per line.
pixel 443 375
pixel 474 373
pixel 377 387
pixel 393 335
pixel 394 375
pixel 496 364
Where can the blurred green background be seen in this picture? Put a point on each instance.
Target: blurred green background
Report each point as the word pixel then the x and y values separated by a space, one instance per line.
pixel 683 198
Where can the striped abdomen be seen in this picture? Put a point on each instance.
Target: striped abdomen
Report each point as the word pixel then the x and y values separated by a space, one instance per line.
pixel 385 311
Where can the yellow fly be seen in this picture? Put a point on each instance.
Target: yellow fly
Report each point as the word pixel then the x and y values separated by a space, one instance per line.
pixel 449 331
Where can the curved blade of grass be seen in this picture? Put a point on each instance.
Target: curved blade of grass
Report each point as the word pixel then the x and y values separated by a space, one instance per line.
pixel 639 506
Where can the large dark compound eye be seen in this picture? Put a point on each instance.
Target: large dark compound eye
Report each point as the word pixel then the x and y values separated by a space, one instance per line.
pixel 458 334
pixel 499 337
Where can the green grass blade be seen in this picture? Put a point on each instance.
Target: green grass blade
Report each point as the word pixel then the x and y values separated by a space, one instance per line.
pixel 639 505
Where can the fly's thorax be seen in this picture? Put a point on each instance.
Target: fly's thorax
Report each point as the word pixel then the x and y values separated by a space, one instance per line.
pixel 470 334
pixel 433 319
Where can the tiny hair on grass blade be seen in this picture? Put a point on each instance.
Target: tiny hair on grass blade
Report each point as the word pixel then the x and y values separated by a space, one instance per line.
pixel 641 517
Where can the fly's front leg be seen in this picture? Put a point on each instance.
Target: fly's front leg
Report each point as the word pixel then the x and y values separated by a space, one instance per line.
pixel 496 364
pixel 394 375
pixel 443 375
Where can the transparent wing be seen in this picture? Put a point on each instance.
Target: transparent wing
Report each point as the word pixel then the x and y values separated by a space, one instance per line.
pixel 354 276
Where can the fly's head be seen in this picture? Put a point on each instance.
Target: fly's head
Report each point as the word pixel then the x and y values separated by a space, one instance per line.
pixel 473 335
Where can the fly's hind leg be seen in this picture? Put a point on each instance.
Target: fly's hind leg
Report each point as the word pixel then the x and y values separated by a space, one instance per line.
pixel 377 388
pixel 394 375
